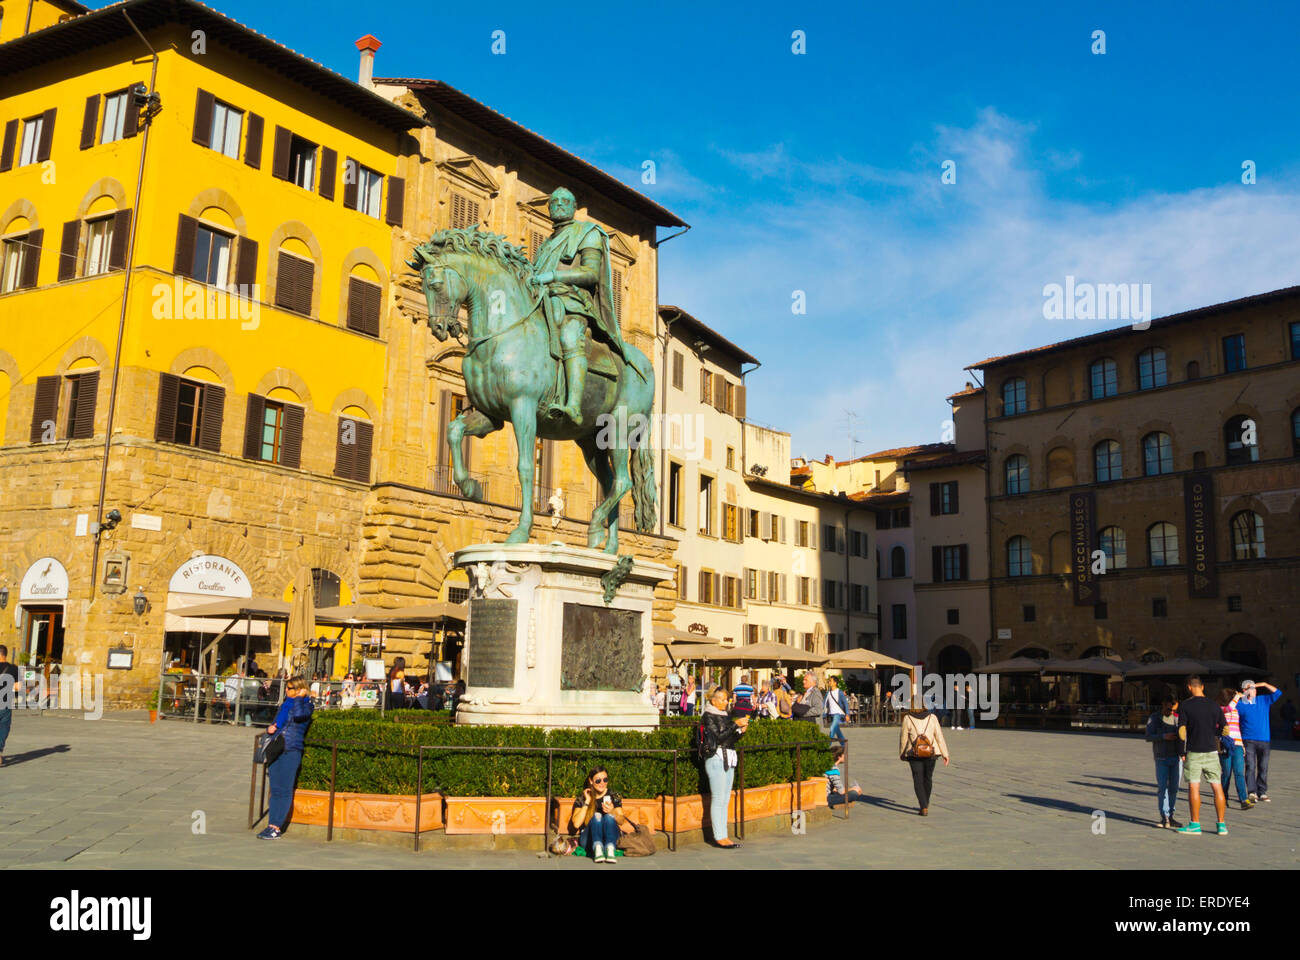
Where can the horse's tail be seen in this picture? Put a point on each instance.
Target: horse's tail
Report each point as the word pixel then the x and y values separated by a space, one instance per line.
pixel 644 495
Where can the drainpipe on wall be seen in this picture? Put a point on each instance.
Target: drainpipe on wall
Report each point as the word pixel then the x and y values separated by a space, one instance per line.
pixel 121 317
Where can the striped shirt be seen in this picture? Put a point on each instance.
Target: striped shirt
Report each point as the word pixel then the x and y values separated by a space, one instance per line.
pixel 744 692
pixel 1233 723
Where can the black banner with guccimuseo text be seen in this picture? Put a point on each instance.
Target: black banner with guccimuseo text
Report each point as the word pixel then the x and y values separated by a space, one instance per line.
pixel 1083 512
pixel 1202 577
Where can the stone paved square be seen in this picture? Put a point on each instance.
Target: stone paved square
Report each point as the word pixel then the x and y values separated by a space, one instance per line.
pixel 122 794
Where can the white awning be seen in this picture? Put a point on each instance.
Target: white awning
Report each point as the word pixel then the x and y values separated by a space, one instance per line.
pixel 174 622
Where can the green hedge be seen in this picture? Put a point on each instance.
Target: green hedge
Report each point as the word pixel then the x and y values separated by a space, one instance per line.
pixel 391 768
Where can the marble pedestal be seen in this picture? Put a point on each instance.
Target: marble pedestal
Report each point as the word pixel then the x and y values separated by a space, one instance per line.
pixel 543 648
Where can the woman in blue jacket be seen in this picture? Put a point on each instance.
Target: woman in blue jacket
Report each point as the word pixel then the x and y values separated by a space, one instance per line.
pixel 292 721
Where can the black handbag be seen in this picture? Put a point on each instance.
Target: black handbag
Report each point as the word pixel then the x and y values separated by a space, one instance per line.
pixel 269 747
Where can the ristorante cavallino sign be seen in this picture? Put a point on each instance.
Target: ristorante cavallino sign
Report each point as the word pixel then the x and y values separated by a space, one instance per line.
pixel 1198 495
pixel 1082 515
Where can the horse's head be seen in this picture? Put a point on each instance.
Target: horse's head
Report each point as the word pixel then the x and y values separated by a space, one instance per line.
pixel 445 289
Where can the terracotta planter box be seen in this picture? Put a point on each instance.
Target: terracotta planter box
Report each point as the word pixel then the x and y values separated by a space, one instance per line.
pixel 496 815
pixel 368 811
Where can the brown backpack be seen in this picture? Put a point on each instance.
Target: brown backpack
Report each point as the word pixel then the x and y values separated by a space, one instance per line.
pixel 922 748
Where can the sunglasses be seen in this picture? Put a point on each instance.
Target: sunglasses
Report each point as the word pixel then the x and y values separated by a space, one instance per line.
pixel 601 780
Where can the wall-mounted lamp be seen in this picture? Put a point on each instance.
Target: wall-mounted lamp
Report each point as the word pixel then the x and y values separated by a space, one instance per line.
pixel 141 602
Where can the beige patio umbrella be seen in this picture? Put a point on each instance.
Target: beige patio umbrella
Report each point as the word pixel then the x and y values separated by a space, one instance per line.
pixel 768 654
pixel 819 639
pixel 301 629
pixel 862 659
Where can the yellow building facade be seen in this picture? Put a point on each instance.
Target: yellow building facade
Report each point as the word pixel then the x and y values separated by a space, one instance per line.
pixel 271 404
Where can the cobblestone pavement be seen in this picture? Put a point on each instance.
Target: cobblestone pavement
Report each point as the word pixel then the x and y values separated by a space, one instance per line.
pixel 120 793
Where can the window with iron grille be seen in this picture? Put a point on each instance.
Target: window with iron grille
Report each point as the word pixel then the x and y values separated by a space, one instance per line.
pixel 1234 604
pixel 457 594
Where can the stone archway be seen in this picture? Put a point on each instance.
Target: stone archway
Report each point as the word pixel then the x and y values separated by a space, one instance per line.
pixel 1246 649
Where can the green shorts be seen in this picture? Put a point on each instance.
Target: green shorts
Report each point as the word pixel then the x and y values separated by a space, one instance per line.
pixel 1202 768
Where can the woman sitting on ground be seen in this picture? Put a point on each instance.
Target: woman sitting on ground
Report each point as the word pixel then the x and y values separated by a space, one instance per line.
pixel 598 817
pixel 835 780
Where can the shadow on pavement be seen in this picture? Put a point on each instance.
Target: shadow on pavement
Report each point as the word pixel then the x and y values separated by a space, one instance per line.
pixel 1067 807
pixel 884 803
pixel 1149 792
pixel 17 758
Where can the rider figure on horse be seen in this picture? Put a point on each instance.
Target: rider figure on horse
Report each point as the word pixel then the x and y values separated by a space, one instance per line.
pixel 573 265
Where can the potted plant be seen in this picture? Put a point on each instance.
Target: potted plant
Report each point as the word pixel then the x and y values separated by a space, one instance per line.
pixel 153 706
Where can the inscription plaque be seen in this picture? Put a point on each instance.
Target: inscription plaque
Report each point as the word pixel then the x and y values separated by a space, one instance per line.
pixel 601 648
pixel 492 629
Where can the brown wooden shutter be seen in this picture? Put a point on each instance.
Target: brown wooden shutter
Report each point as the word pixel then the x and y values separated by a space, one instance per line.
pixel 329 161
pixel 935 503
pixel 280 153
pixel 345 453
pixel 936 564
pixel 955 508
pixel 740 402
pixel 246 265
pixel 121 232
pixel 47 136
pixel 720 394
pixel 704 386
pixel 168 392
pixel 253 422
pixel 681 582
pixel 291 436
pixel 294 282
pixel 89 122
pixel 253 145
pixel 364 302
pixel 963 554
pixel 703 596
pixel 131 122
pixel 87 394
pixel 351 174
pixel 11 140
pixel 365 441
pixel 32 264
pixel 203 105
pixel 46 408
pixel 396 198
pixel 183 264
pixel 68 250
pixel 214 411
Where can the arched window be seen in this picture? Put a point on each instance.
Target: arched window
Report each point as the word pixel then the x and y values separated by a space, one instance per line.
pixel 1152 369
pixel 1193 370
pixel 1060 467
pixel 1295 433
pixel 1162 544
pixel 1247 536
pixel 1157 454
pixel 1108 461
pixel 1240 440
pixel 1017 474
pixel 325 587
pixel 1020 560
pixel 1114 544
pixel 898 562
pixel 1014 397
pixel 1105 378
pixel 365 301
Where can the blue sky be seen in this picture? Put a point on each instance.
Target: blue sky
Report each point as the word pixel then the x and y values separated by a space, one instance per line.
pixel 821 172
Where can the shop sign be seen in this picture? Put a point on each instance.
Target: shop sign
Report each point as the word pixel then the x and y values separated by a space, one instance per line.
pixel 213 575
pixel 46 580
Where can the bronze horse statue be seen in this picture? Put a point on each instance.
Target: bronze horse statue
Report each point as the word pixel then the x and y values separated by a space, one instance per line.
pixel 511 374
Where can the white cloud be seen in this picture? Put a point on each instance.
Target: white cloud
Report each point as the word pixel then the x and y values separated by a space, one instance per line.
pixel 904 291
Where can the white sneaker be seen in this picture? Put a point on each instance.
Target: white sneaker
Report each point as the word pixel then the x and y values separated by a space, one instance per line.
pixel 958 728
pixel 599 851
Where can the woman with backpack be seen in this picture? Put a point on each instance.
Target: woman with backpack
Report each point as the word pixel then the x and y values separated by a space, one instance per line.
pixel 920 743
pixel 718 734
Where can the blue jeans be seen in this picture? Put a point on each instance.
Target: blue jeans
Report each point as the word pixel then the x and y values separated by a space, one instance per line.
pixel 720 781
pixel 970 718
pixel 836 720
pixel 602 828
pixel 1257 766
pixel 1167 777
pixel 6 718
pixel 283 773
pixel 1234 762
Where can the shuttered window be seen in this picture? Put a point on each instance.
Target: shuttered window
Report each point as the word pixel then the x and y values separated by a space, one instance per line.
pixel 114 126
pixel 617 294
pixel 535 240
pixel 45 409
pixel 253 142
pixel 679 370
pixel 369 193
pixel 329 161
pixel 34 146
pixel 352 450
pixel 364 303
pixel 99 239
pixel 273 431
pixel 706 387
pixel 293 284
pixel 90 122
pixel 21 262
pixel 464 211
pixel 190 412
pixel 83 390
